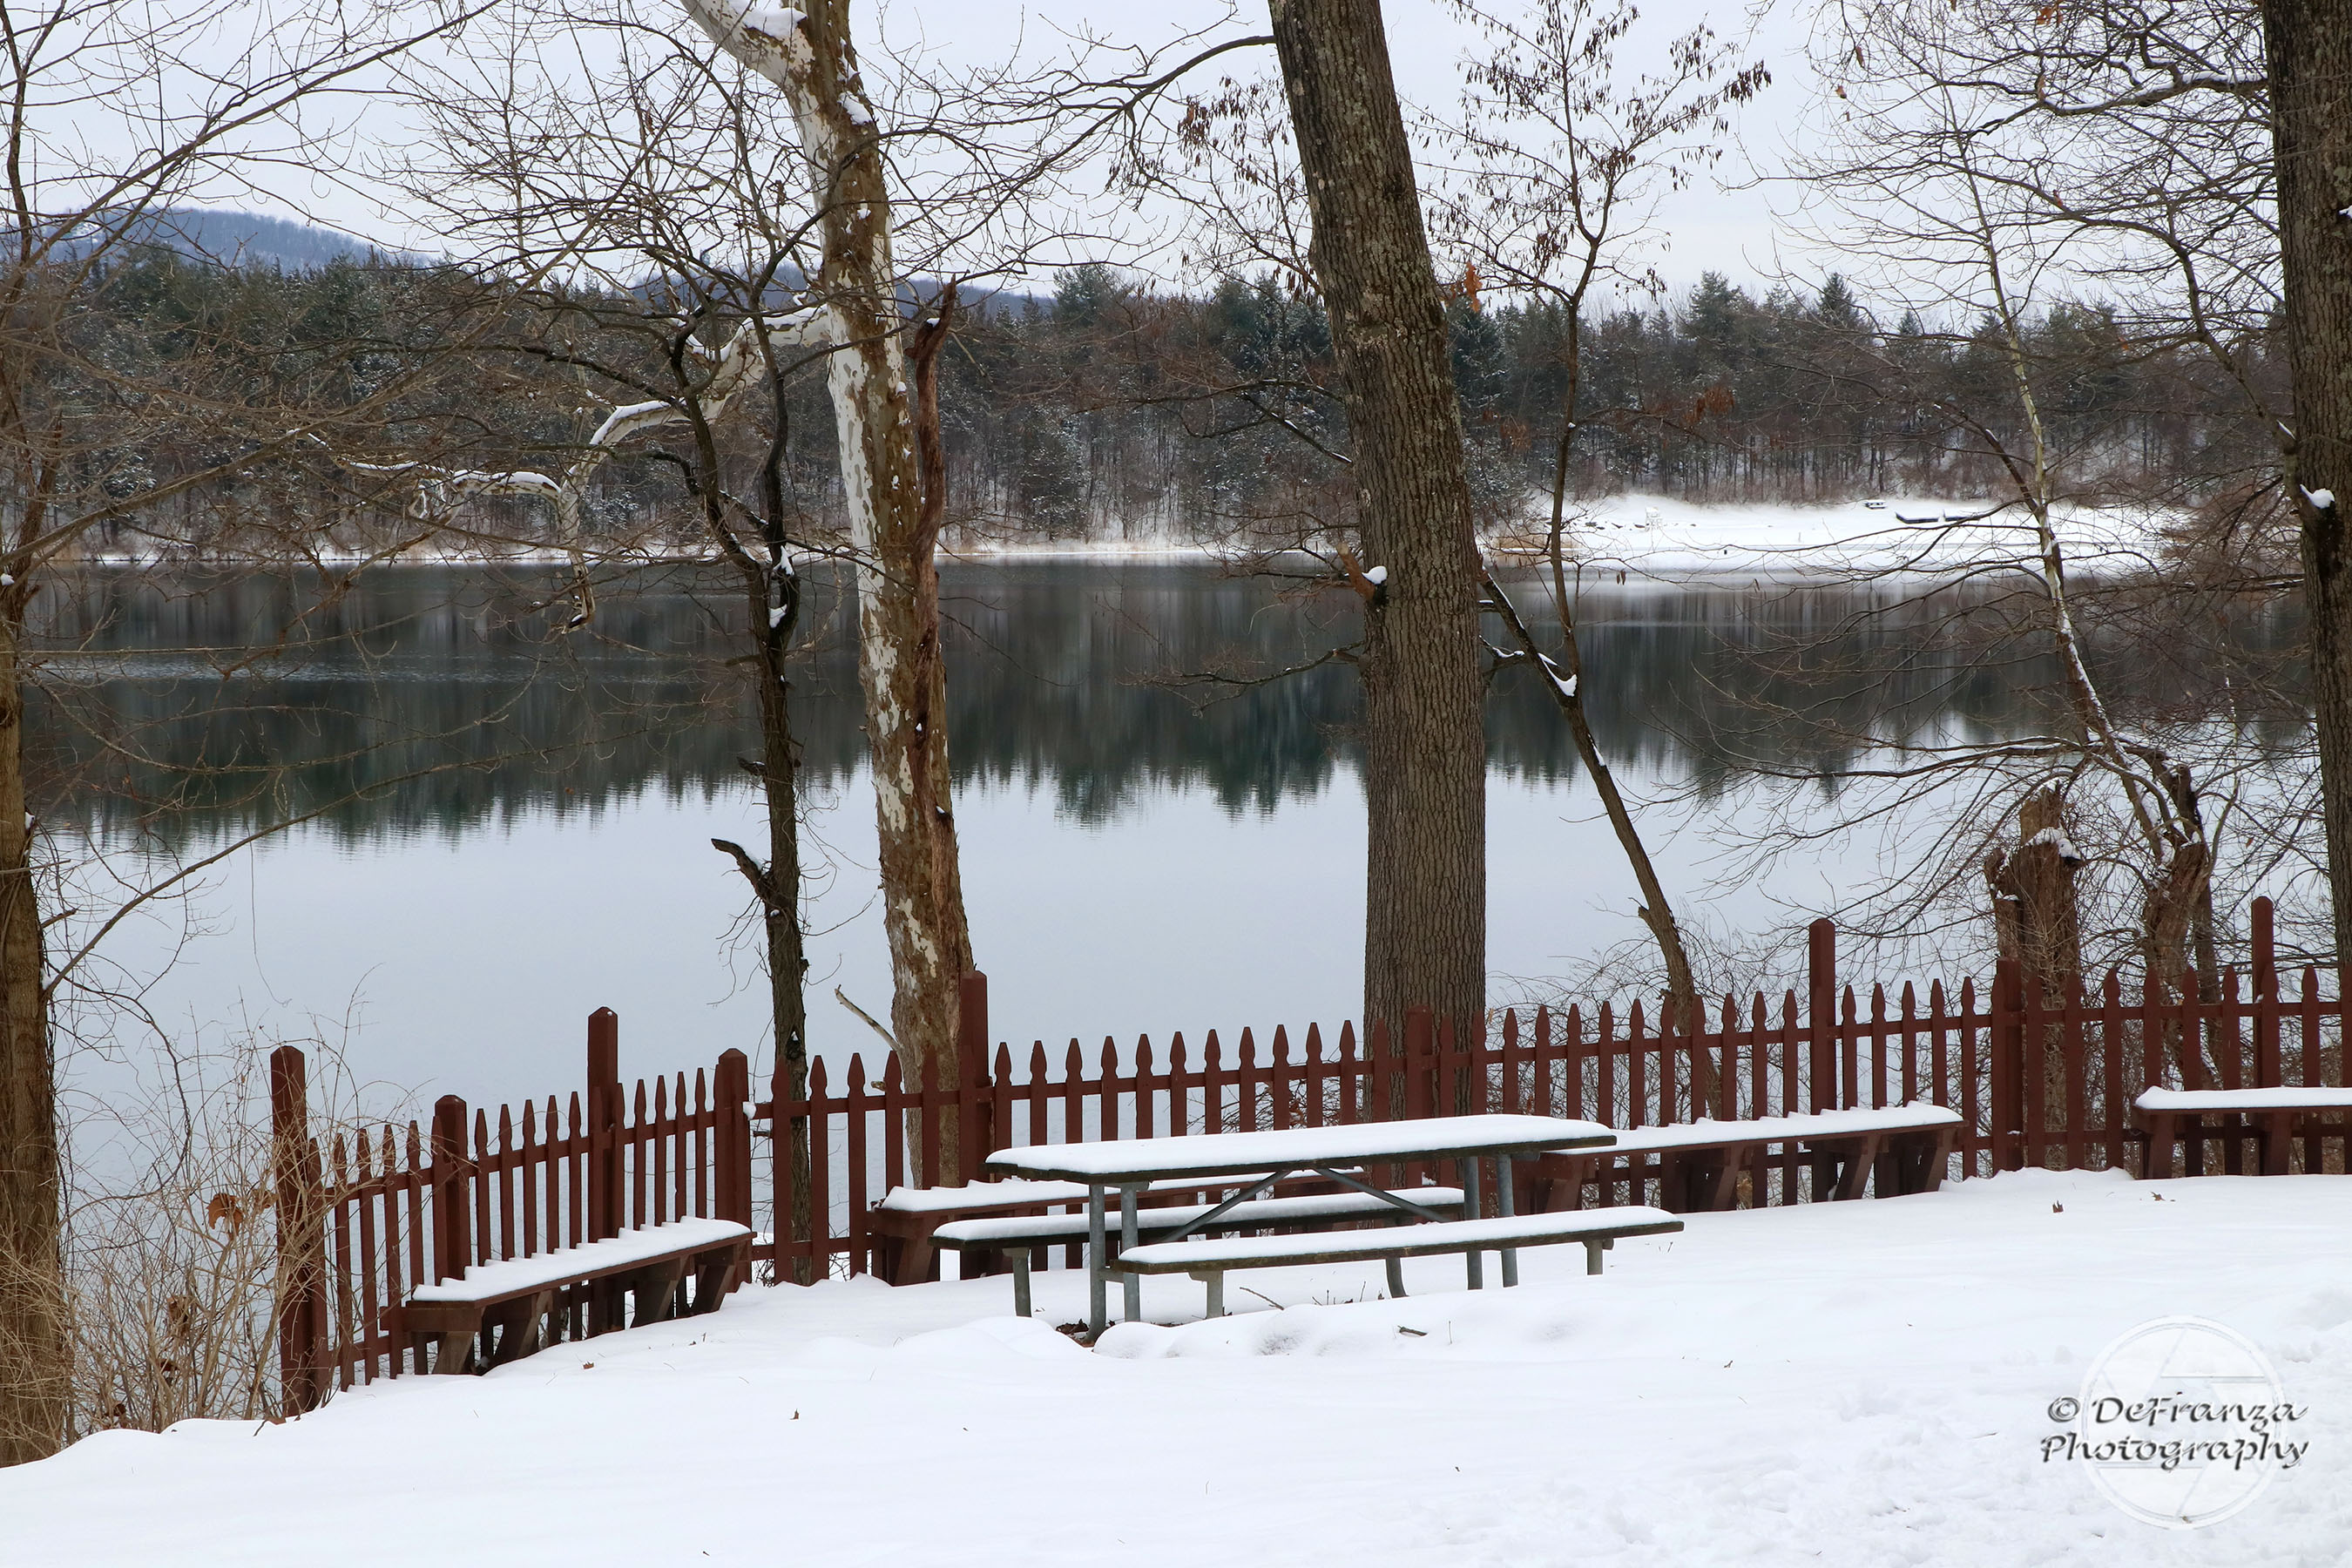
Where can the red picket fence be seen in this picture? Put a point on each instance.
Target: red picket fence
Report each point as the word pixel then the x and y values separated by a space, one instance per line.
pixel 1969 1050
pixel 371 1213
pixel 367 1215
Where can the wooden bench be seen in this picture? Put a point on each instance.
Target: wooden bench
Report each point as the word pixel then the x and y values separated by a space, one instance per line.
pixel 909 1219
pixel 1017 1234
pixel 2171 1114
pixel 1208 1261
pixel 506 1305
pixel 1699 1163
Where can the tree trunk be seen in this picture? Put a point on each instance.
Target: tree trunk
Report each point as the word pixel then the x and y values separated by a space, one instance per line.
pixel 35 1358
pixel 2310 48
pixel 899 657
pixel 2038 923
pixel 2035 917
pixel 1425 739
pixel 780 897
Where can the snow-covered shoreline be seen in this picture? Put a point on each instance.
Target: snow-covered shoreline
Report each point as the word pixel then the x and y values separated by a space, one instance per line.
pixel 1642 536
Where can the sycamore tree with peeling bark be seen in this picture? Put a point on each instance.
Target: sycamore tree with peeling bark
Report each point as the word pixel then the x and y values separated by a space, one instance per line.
pixel 743 209
pixel 894 514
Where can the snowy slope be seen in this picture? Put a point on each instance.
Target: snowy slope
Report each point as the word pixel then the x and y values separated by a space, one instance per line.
pixel 1850 1384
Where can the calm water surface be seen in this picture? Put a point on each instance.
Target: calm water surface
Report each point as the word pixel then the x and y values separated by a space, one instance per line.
pixel 534 837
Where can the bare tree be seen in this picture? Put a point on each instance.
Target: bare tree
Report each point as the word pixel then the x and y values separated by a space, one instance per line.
pixel 108 133
pixel 1917 186
pixel 1551 193
pixel 659 212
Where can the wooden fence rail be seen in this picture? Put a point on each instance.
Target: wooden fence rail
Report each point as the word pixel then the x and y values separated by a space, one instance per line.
pixel 367 1215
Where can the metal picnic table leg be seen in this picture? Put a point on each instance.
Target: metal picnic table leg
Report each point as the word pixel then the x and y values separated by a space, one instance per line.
pixel 1504 1205
pixel 1133 1283
pixel 1471 1209
pixel 1097 1262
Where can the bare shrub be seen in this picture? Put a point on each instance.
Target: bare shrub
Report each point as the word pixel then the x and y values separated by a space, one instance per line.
pixel 175 1275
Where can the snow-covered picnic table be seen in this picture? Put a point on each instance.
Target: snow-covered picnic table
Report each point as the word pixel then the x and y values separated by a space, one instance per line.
pixel 1129 1165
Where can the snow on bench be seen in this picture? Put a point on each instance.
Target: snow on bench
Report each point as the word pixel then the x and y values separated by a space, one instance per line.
pixel 507 1303
pixel 2271 1109
pixel 1598 1229
pixel 2222 1101
pixel 980 1195
pixel 1019 1233
pixel 1917 1136
pixel 487 1282
pixel 1918 1117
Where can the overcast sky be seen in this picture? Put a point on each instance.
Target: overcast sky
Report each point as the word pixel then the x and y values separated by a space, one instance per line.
pixel 1724 222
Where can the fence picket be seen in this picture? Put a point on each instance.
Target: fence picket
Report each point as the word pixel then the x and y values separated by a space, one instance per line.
pixel 854 1142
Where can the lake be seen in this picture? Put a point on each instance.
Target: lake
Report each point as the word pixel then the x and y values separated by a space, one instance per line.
pixel 506 827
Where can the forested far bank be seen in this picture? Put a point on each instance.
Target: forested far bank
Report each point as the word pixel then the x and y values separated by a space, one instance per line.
pixel 1108 411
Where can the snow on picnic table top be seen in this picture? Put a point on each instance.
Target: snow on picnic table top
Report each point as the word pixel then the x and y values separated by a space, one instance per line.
pixel 2279 1099
pixel 1920 1115
pixel 486 1281
pixel 1211 1153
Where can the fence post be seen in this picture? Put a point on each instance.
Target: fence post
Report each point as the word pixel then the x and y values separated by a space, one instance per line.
pixel 731 1183
pixel 301 1236
pixel 604 1119
pixel 972 1071
pixel 2008 1065
pixel 453 1208
pixel 2266 1009
pixel 1821 1009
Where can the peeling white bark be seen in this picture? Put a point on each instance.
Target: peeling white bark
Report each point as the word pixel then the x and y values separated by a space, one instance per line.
pixel 808 57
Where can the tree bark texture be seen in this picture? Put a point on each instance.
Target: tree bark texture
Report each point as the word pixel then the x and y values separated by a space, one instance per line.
pixel 2035 917
pixel 2038 925
pixel 34 1355
pixel 777 886
pixel 808 55
pixel 2310 48
pixel 1424 738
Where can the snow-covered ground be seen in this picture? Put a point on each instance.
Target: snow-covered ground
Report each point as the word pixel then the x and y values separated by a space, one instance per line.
pixel 1851 1384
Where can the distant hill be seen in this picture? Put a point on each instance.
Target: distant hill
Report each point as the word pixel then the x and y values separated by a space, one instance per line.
pixel 249 240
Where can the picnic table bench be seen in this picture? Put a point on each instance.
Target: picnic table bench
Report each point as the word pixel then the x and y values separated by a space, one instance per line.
pixel 907 1219
pixel 507 1304
pixel 2170 1114
pixel 1129 1166
pixel 1699 1163
pixel 1208 1261
pixel 1017 1234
